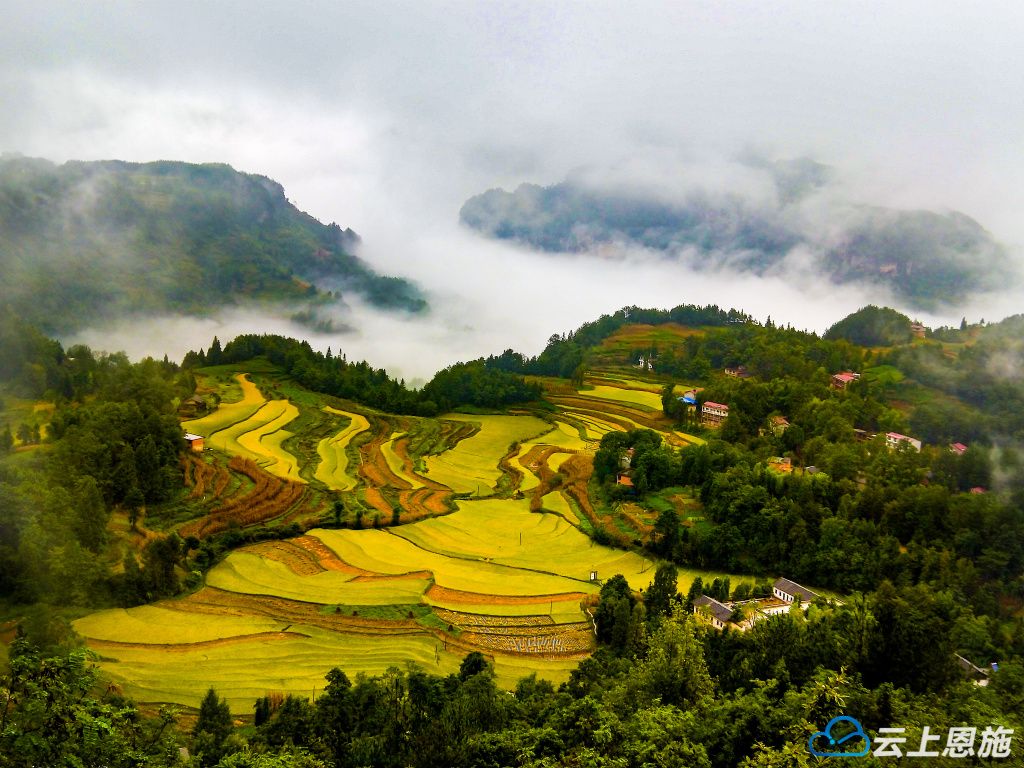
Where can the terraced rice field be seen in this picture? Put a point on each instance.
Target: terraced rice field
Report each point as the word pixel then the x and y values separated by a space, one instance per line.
pixel 276 616
pixel 252 427
pixel 471 467
pixel 229 414
pixel 490 576
pixel 332 470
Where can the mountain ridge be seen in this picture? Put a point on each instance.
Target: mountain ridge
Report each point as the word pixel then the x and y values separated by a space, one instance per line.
pixel 926 258
pixel 97 240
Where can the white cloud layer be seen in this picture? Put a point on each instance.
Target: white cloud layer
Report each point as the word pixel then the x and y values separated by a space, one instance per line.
pixel 386 116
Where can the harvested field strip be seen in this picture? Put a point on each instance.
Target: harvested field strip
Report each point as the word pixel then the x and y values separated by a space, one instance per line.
pixel 332 470
pixel 527 630
pixel 463 619
pixel 326 557
pixel 385 552
pixel 395 462
pixel 293 612
pixel 577 471
pixel 271 498
pixel 377 501
pixel 550 644
pixel 229 413
pixel 253 575
pixel 439 595
pixel 401 449
pixel 299 561
pixel 373 466
pixel 204 478
pixel 423 503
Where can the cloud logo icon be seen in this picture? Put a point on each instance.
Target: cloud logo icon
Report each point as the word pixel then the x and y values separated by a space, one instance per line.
pixel 840 735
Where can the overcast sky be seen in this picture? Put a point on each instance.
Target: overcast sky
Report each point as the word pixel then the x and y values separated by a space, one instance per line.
pixel 386 116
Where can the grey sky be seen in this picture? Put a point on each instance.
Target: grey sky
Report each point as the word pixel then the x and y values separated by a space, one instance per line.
pixel 386 116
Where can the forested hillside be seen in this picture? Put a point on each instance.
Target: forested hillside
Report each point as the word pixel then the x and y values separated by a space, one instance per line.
pixel 916 555
pixel 83 242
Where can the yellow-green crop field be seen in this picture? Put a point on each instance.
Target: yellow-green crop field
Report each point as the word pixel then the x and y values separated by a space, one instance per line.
pixel 472 465
pixel 643 398
pixel 277 620
pixel 251 574
pixel 506 533
pixel 332 470
pixel 556 502
pixel 386 552
pixel 252 427
pixel 242 670
pixel 565 435
pixel 154 624
pixel 627 382
pixel 228 414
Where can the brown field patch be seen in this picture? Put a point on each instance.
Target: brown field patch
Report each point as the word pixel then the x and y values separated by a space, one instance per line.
pixel 447 594
pixel 327 557
pixel 269 499
pixel 298 560
pixel 377 501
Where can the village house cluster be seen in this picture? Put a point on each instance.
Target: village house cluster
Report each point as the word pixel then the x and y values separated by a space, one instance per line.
pixel 743 614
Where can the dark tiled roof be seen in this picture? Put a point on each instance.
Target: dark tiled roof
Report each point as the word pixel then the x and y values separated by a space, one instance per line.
pixel 718 610
pixel 792 588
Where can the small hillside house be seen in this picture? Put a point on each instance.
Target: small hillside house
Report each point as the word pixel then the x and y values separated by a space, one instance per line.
pixel 713 414
pixel 738 372
pixel 195 442
pixel 843 380
pixel 718 613
pixel 788 591
pixel 895 439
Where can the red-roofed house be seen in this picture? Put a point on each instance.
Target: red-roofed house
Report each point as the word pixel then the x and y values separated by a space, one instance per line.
pixel 713 414
pixel 844 379
pixel 957 448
